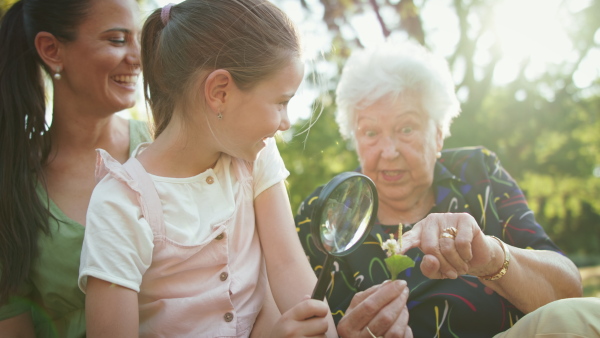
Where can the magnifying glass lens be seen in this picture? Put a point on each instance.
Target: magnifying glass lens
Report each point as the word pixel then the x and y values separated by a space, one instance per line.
pixel 343 216
pixel 346 215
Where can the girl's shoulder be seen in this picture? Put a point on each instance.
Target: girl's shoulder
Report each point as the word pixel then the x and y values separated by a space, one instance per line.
pixel 269 156
pixel 114 185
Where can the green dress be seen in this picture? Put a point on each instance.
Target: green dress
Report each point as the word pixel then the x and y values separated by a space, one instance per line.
pixel 51 292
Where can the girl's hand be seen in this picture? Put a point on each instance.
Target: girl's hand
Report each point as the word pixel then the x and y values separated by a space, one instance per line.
pixel 470 252
pixel 307 319
pixel 381 308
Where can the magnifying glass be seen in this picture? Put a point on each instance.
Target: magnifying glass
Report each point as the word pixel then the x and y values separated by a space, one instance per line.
pixel 341 220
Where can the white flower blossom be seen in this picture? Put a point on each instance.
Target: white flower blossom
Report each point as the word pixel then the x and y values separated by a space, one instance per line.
pixel 391 246
pixel 396 262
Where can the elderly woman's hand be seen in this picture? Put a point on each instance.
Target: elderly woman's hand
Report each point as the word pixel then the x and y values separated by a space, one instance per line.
pixel 379 311
pixel 470 252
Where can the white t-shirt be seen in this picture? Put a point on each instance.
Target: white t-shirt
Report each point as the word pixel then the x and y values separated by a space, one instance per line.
pixel 122 241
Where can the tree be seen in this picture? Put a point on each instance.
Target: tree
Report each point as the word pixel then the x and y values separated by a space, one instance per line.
pixel 315 156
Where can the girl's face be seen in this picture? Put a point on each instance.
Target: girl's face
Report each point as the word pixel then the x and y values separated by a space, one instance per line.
pixel 101 67
pixel 258 113
pixel 397 144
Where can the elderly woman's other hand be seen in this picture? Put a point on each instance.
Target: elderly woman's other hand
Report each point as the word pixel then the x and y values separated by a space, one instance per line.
pixel 454 245
pixel 379 311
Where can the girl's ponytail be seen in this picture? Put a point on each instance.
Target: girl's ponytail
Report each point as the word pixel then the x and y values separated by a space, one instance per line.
pixel 157 97
pixel 23 149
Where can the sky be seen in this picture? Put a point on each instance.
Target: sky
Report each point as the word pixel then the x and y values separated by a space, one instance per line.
pixel 544 39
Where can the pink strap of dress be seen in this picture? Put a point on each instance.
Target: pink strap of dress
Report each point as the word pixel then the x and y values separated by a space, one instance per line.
pixel 138 179
pixel 149 200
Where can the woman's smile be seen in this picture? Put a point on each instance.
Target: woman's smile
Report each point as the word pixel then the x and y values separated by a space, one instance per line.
pixel 126 80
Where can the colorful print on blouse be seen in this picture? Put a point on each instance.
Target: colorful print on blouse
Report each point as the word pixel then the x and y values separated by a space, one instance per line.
pixel 467 180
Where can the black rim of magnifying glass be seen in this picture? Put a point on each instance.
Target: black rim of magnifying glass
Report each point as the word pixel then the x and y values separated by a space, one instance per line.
pixel 323 281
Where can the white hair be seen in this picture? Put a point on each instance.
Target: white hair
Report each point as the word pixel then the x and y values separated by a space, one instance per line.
pixel 392 68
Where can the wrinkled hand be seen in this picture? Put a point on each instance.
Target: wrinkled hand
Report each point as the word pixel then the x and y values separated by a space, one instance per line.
pixel 471 252
pixel 382 308
pixel 306 319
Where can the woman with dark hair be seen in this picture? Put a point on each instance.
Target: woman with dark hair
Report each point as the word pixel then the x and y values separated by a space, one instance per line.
pixel 90 50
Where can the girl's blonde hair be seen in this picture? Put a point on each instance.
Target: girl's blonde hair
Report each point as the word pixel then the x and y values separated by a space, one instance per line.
pixel 251 39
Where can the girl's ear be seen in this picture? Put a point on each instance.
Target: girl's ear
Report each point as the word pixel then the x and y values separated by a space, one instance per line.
pixel 50 50
pixel 218 89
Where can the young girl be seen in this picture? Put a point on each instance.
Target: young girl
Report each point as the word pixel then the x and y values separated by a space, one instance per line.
pixel 175 237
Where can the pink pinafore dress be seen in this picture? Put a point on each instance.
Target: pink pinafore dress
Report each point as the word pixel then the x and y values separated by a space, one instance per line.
pixel 213 289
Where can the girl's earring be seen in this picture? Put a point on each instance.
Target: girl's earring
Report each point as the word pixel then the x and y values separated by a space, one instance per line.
pixel 438 154
pixel 220 116
pixel 56 75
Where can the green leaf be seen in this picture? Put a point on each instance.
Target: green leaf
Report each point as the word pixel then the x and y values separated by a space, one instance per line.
pixel 398 263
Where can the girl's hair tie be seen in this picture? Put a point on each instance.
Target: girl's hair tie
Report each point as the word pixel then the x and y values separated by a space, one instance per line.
pixel 165 13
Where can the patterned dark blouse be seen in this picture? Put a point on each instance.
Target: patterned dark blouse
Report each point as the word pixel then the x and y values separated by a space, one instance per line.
pixel 465 180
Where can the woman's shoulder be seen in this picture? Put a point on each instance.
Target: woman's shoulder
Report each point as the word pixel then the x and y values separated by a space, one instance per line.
pixel 139 132
pixel 475 153
pixel 470 163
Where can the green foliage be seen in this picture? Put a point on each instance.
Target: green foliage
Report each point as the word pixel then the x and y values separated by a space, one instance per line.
pixel 315 156
pixel 545 130
pixel 551 147
pixel 5 5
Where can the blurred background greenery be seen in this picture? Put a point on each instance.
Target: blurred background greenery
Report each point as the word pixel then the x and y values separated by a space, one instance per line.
pixel 541 115
pixel 543 122
pixel 527 74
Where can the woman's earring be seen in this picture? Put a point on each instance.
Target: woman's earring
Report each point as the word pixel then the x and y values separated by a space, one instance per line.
pixel 438 154
pixel 220 116
pixel 56 75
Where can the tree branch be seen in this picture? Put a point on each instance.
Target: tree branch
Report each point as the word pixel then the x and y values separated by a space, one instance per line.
pixel 384 29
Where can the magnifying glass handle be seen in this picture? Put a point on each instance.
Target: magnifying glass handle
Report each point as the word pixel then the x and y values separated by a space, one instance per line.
pixel 324 279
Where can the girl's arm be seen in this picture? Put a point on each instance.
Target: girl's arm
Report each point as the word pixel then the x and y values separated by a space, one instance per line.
pixel 110 310
pixel 294 323
pixel 268 316
pixel 290 275
pixel 20 326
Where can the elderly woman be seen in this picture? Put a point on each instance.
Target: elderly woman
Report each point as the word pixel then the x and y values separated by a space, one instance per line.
pixel 481 260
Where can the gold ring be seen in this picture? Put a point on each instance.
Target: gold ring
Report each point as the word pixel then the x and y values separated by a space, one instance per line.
pixel 452 231
pixel 371 333
pixel 447 235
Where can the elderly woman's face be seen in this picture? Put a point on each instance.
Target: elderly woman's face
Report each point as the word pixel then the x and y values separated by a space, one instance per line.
pixel 397 145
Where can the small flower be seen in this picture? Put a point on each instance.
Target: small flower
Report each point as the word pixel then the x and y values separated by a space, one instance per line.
pixel 391 246
pixel 396 262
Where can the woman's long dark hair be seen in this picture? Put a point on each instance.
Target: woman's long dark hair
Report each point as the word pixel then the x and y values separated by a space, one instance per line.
pixel 24 141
